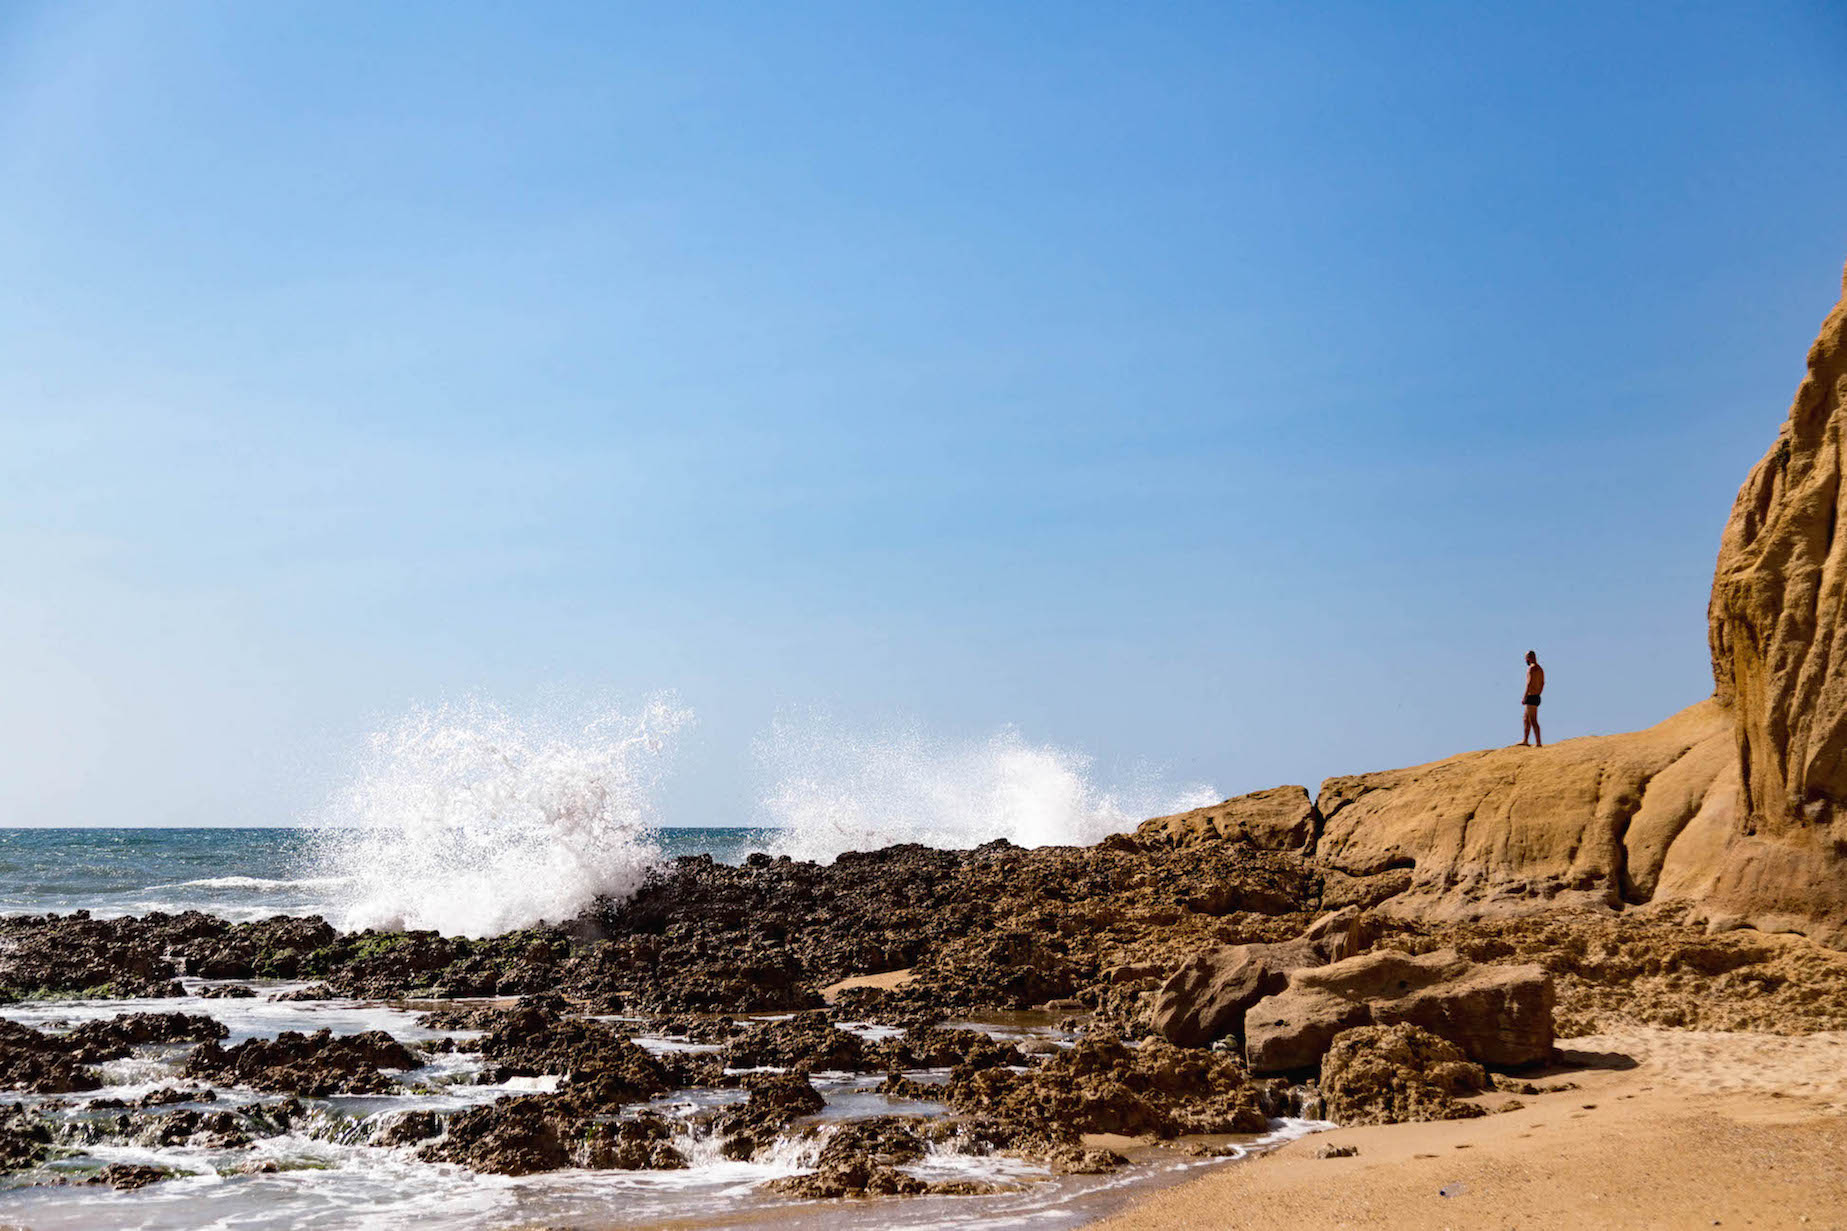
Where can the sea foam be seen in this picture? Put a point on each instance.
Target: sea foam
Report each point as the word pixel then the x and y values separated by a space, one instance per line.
pixel 471 821
pixel 831 791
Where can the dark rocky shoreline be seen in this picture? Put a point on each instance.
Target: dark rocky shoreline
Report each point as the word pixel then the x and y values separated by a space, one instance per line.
pixel 1132 943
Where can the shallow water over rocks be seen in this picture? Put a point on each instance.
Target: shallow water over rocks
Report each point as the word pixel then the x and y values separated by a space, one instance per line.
pixel 277 1162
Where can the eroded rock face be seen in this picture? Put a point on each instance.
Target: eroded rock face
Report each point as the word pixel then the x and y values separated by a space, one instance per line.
pixel 576 1127
pixel 643 1142
pixel 408 1128
pixel 46 1062
pixel 1279 819
pixel 851 1177
pixel 212 1130
pixel 129 1177
pixel 1390 1074
pixel 273 948
pixel 932 1047
pixel 77 955
pixel 1585 822
pixel 1207 997
pixel 1778 628
pixel 1499 1015
pixel 1611 972
pixel 998 926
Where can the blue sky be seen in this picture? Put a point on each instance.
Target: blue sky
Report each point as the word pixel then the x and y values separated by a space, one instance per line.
pixel 1239 389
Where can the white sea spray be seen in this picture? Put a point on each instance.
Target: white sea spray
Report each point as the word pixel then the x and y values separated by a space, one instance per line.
pixel 832 791
pixel 471 821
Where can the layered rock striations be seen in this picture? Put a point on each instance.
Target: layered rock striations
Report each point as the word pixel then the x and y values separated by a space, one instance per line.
pixel 1588 821
pixel 1280 819
pixel 1497 1014
pixel 1778 628
pixel 1600 821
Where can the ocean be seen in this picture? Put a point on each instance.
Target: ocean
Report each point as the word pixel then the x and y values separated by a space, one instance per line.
pixel 236 873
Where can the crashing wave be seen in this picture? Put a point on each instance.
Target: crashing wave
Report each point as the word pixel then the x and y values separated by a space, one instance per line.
pixel 832 791
pixel 472 822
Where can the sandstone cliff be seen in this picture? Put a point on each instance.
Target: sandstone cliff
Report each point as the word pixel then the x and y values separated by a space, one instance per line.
pixel 1280 819
pixel 1587 821
pixel 1736 806
pixel 1778 627
pixel 1601 821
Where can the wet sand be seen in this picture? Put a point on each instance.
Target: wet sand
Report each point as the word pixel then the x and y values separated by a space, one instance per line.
pixel 1701 1129
pixel 883 982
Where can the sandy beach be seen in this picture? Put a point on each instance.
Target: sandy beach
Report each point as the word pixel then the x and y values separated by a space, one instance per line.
pixel 1705 1129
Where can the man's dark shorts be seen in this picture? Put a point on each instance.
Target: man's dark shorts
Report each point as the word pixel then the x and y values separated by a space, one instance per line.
pixel 1532 698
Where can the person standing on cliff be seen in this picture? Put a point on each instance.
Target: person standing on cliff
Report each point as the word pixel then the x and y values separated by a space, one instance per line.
pixel 1535 684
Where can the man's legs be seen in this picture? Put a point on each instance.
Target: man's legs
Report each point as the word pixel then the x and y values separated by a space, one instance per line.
pixel 1531 727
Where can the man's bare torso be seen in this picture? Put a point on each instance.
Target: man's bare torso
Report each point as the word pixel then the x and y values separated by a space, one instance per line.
pixel 1535 679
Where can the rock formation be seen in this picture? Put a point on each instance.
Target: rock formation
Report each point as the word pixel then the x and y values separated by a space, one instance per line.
pixel 1390 1074
pixel 1280 819
pixel 1583 822
pixel 1207 996
pixel 317 1064
pixel 1778 628
pixel 1500 1015
pixel 1102 1085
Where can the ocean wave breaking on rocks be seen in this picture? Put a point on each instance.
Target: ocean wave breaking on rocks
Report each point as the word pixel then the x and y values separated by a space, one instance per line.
pixel 832 791
pixel 472 821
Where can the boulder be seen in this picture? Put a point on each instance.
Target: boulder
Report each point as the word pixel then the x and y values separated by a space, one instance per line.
pixel 853 1177
pixel 933 1047
pixel 1779 603
pixel 1207 996
pixel 643 1142
pixel 214 1130
pixel 529 1133
pixel 1390 1074
pixel 408 1128
pixel 1499 1015
pixel 1280 819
